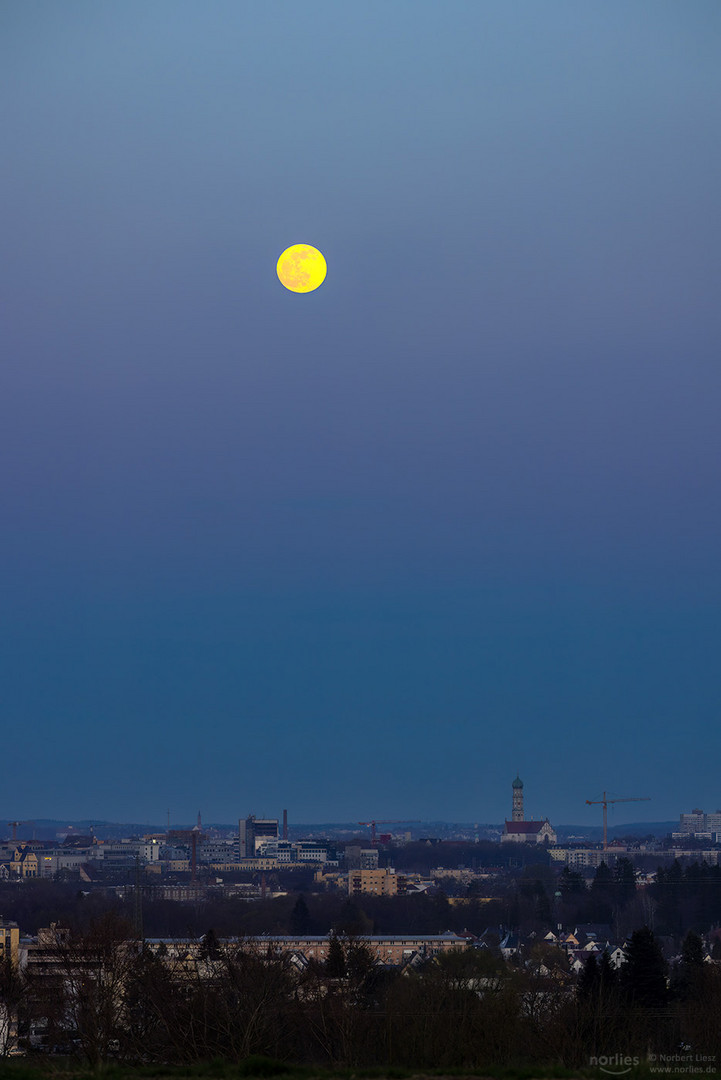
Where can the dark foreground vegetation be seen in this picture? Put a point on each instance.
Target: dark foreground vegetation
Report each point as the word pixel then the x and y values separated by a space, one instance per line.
pixel 121 1001
pixel 105 996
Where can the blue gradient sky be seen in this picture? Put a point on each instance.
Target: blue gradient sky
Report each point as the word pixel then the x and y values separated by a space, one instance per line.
pixel 368 551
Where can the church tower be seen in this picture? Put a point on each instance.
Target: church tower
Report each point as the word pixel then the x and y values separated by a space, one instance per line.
pixel 517 786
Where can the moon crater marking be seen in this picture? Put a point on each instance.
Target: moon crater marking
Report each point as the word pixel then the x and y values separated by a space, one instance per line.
pixel 301 268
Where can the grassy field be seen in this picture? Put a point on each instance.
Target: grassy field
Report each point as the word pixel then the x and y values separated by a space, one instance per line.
pixel 257 1068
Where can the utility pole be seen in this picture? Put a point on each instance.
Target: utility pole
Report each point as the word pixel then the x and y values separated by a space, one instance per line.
pixel 138 901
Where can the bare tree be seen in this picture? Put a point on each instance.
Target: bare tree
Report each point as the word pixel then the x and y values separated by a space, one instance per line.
pixel 89 979
pixel 13 1002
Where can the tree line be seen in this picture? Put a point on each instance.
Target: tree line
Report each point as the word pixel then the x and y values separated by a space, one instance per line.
pixel 534 898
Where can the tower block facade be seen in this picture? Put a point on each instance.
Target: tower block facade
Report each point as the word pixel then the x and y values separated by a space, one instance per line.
pixel 517 799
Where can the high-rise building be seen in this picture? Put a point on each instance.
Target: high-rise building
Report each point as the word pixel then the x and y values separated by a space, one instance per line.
pixel 255 831
pixel 698 821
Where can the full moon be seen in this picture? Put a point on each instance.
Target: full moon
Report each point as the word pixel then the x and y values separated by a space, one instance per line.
pixel 301 268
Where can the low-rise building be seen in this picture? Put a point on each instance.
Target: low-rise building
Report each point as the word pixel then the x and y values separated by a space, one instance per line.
pixel 387 949
pixel 382 882
pixel 218 851
pixel 361 858
pixel 529 832
pixel 295 851
pixel 54 860
pixel 9 942
pixel 144 850
pixel 176 866
pixel 24 862
pixel 580 857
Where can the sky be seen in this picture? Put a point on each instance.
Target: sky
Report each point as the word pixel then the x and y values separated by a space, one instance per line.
pixel 369 551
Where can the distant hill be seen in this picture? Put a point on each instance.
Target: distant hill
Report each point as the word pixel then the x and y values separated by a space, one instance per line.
pixel 634 828
pixel 51 829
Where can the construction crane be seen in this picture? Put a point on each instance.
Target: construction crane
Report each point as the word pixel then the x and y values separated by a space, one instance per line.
pixel 16 825
pixel 604 803
pixel 387 821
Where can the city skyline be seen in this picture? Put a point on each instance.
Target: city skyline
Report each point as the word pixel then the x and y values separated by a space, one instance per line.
pixel 375 548
pixel 515 810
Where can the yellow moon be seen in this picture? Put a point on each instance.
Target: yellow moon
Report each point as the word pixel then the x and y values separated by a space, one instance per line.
pixel 301 268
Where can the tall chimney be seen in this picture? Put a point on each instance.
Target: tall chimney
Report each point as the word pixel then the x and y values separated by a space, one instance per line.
pixel 285 824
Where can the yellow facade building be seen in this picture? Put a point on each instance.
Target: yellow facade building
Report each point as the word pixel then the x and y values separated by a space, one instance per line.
pixel 24 862
pixel 380 882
